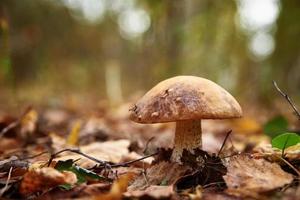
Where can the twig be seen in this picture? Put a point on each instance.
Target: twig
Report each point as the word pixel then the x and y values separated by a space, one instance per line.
pixel 125 164
pixel 290 165
pixel 9 127
pixel 224 142
pixel 284 146
pixel 289 100
pixel 34 156
pixel 7 181
pixel 101 162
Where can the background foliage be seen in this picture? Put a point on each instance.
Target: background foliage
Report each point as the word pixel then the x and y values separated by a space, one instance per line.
pixel 111 49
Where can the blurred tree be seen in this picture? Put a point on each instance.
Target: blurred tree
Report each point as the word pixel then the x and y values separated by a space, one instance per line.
pixel 47 44
pixel 286 58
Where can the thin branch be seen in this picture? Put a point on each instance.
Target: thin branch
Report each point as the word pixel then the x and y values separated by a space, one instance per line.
pixel 101 162
pixel 224 142
pixel 7 182
pixel 9 127
pixel 77 151
pixel 34 156
pixel 284 146
pixel 289 100
pixel 290 165
pixel 126 164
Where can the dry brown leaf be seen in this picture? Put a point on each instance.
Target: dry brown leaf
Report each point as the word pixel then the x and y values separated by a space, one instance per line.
pixel 7 144
pixel 54 117
pixel 163 173
pixel 45 178
pixel 111 151
pixel 264 149
pixel 153 191
pixel 134 156
pixel 117 189
pixel 58 142
pixel 255 175
pixel 28 123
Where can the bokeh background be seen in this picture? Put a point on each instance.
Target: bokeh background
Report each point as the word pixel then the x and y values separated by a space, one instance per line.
pixel 53 51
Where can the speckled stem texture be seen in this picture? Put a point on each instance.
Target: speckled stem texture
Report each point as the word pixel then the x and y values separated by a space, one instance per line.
pixel 188 136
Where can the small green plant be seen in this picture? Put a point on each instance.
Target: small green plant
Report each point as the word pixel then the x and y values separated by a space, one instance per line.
pixel 285 140
pixel 82 174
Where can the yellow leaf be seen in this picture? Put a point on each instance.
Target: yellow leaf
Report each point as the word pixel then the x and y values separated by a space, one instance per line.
pixel 117 189
pixel 74 134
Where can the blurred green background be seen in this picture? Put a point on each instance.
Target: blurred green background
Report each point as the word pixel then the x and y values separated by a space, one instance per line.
pixel 111 49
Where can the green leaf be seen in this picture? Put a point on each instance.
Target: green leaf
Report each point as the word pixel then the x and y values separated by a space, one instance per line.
pixel 66 186
pixel 276 126
pixel 64 165
pixel 82 174
pixel 285 140
pixel 88 174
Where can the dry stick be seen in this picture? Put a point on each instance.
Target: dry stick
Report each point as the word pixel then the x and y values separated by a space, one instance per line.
pixel 101 162
pixel 34 156
pixel 77 151
pixel 9 127
pixel 126 164
pixel 289 100
pixel 284 146
pixel 290 165
pixel 7 181
pixel 224 142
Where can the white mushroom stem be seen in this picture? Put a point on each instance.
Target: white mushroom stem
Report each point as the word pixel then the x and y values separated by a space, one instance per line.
pixel 188 136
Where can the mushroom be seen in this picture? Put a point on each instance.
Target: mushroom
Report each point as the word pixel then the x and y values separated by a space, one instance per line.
pixel 185 100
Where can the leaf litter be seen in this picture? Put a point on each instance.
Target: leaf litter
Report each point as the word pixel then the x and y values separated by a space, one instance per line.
pixel 111 138
pixel 245 173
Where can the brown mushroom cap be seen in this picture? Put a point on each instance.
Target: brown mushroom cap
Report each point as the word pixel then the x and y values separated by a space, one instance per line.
pixel 185 98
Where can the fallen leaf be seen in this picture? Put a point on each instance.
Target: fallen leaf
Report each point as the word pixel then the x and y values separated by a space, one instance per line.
pixel 74 134
pixel 29 123
pixel 152 192
pixel 42 179
pixel 255 175
pixel 265 150
pixel 58 142
pixel 82 192
pixel 111 151
pixel 163 173
pixel 9 143
pixel 117 189
pixel 55 117
pixel 14 162
pixel 82 174
pixel 134 156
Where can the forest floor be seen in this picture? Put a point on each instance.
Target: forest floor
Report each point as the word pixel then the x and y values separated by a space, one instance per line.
pixel 70 153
